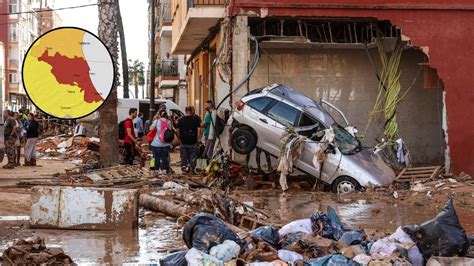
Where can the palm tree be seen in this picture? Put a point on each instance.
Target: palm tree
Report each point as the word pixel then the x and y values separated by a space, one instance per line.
pixel 123 51
pixel 108 131
pixel 136 74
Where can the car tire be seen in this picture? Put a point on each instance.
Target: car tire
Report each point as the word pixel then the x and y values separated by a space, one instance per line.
pixel 243 140
pixel 345 184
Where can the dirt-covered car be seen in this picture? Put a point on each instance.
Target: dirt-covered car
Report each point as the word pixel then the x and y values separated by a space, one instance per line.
pixel 264 116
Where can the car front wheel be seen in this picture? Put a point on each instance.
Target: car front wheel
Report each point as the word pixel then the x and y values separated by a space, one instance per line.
pixel 243 141
pixel 345 184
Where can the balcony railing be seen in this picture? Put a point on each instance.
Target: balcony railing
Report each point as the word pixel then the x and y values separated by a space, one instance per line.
pixel 169 67
pixel 193 3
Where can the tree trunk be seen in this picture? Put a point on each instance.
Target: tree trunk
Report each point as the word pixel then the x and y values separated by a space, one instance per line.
pixel 164 206
pixel 108 131
pixel 136 90
pixel 123 51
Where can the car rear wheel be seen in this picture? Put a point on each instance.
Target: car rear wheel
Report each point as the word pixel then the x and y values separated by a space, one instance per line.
pixel 345 184
pixel 243 141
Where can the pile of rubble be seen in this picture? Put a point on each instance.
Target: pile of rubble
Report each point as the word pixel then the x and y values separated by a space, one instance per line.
pixel 64 147
pixel 34 252
pixel 322 239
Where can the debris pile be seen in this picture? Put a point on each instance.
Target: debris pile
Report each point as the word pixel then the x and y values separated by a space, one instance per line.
pixel 34 252
pixel 64 147
pixel 321 239
pixel 181 201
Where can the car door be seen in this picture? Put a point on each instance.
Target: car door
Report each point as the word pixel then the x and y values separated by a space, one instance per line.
pixel 257 119
pixel 273 124
pixel 305 161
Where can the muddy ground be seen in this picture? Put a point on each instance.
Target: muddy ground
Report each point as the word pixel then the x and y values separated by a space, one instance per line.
pixel 158 235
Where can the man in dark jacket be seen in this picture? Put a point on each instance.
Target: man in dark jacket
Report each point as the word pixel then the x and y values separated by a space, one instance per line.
pixel 32 134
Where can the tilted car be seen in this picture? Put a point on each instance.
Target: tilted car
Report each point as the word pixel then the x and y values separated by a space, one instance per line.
pixel 264 116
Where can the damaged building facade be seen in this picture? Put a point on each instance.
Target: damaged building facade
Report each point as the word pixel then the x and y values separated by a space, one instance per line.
pixel 330 51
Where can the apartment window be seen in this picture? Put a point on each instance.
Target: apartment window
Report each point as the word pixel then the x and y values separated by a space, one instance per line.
pixel 14 32
pixel 13 77
pixel 13 6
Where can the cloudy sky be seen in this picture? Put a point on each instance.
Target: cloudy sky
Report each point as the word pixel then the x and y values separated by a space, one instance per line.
pixel 134 16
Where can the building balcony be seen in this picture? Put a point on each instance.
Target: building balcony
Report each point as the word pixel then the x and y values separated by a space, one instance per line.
pixel 169 74
pixel 191 22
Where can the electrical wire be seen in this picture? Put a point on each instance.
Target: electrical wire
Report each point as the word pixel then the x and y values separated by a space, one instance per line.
pixel 246 78
pixel 46 10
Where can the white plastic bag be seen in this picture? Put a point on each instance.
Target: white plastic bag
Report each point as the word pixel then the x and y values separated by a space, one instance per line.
pixel 289 256
pixel 303 225
pixel 196 257
pixel 225 251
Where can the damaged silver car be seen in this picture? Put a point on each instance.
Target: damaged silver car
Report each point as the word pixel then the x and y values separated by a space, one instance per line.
pixel 264 116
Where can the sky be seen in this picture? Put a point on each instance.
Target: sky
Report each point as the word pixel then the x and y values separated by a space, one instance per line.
pixel 134 17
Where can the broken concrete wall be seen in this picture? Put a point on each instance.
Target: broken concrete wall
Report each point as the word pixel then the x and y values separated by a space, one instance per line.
pixel 346 78
pixel 84 208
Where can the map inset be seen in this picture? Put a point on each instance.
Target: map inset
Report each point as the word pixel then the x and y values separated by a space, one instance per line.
pixel 68 73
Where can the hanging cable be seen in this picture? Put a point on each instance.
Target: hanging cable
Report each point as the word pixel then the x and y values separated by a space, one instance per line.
pixel 256 58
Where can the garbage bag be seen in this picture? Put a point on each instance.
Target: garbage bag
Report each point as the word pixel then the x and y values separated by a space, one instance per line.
pixel 338 227
pixel 289 256
pixel 204 231
pixel 290 239
pixel 353 237
pixel 196 257
pixel 173 259
pixel 331 260
pixel 400 242
pixel 332 227
pixel 268 234
pixel 442 236
pixel 303 225
pixel 225 251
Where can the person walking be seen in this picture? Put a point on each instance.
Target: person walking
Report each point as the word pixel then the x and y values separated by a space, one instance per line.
pixel 9 135
pixel 188 132
pixel 130 140
pixel 139 125
pixel 209 130
pixel 159 146
pixel 19 138
pixel 32 134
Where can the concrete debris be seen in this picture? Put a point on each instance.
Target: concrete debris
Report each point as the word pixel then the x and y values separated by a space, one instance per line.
pixel 64 147
pixel 34 252
pixel 84 208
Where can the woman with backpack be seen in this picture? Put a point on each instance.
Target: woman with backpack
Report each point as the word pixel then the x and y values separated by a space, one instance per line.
pixel 161 142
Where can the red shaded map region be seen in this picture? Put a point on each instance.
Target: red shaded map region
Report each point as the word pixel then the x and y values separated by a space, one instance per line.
pixel 74 72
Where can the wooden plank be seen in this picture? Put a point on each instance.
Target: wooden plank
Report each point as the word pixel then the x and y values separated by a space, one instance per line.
pixel 401 173
pixel 424 168
pixel 419 171
pixel 435 172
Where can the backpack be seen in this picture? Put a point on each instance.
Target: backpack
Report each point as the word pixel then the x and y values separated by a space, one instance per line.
pixel 166 133
pixel 218 126
pixel 121 129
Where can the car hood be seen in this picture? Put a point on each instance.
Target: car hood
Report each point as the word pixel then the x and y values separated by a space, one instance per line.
pixel 366 167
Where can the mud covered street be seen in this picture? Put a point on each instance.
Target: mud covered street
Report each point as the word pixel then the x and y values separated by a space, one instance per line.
pixel 378 213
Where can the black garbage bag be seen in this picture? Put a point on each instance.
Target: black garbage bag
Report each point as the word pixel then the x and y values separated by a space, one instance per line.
pixel 353 237
pixel 204 231
pixel 332 227
pixel 290 239
pixel 443 236
pixel 173 259
pixel 268 234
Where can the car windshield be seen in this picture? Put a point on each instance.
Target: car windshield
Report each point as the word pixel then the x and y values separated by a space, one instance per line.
pixel 347 143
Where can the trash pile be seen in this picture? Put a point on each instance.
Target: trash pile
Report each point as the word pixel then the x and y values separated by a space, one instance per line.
pixel 34 252
pixel 319 240
pixel 64 147
pixel 182 200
